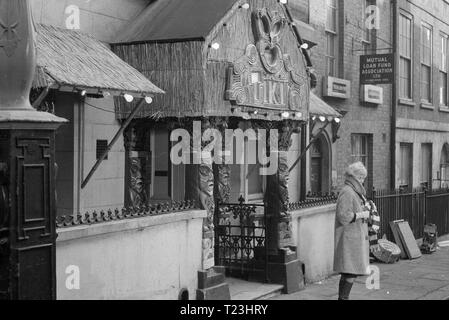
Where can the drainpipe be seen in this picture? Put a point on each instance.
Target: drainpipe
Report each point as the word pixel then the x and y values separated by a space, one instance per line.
pixel 394 99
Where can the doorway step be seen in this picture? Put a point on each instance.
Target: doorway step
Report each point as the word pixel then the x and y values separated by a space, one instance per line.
pixel 244 290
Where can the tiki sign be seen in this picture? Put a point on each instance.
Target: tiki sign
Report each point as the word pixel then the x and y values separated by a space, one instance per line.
pixel 265 77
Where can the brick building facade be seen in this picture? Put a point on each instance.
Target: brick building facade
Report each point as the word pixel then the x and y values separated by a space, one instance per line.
pixel 422 125
pixel 337 37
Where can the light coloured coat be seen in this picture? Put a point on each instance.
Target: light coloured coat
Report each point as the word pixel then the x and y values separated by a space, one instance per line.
pixel 351 254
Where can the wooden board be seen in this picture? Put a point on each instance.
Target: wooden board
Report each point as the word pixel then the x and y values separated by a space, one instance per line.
pixel 408 240
pixel 397 238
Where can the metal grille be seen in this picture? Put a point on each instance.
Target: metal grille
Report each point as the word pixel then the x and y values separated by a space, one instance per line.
pixel 240 240
pixel 102 146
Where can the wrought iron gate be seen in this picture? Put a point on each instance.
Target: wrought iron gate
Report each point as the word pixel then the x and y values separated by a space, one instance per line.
pixel 240 240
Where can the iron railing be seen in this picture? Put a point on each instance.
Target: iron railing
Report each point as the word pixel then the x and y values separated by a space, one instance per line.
pixel 437 210
pixel 314 201
pixel 240 240
pixel 416 206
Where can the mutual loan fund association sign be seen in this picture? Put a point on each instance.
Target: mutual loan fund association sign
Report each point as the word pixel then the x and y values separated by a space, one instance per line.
pixel 377 69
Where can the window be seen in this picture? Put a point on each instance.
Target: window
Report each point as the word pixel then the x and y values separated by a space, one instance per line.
pixel 426 63
pixel 368 34
pixel 246 178
pixel 362 151
pixel 332 36
pixel 443 70
pixel 405 165
pixel 102 146
pixel 255 182
pixel 160 164
pixel 405 62
pixel 426 164
pixel 444 167
pixel 316 171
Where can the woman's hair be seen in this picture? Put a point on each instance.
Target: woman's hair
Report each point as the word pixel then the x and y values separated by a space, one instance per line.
pixel 356 169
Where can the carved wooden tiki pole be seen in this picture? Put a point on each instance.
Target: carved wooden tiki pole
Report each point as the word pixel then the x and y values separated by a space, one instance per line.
pixel 27 164
pixel 135 196
pixel 279 233
pixel 200 185
pixel 222 170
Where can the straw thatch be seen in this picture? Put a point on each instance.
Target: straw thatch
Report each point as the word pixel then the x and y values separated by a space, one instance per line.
pixel 176 67
pixel 70 58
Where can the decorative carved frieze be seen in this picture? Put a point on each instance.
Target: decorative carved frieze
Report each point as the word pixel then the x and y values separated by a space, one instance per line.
pixel 265 77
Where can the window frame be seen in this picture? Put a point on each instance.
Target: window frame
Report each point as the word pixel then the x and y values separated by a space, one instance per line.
pixel 410 166
pixel 423 64
pixel 410 58
pixel 429 181
pixel 254 197
pixel 332 35
pixel 369 140
pixel 368 38
pixel 443 37
pixel 153 155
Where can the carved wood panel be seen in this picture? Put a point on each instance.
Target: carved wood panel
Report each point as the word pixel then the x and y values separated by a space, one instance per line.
pixel 33 176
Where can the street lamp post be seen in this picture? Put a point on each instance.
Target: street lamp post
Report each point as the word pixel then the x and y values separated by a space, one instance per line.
pixel 27 157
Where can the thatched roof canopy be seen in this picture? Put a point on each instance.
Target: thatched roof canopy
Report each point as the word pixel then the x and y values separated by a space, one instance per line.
pixel 67 58
pixel 320 108
pixel 176 20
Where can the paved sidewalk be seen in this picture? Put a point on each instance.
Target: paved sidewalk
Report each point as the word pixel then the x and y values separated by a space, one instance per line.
pixel 426 278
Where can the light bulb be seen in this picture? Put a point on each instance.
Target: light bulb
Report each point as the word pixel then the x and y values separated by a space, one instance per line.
pixel 285 114
pixel 83 93
pixel 298 114
pixel 305 46
pixel 245 6
pixel 322 119
pixel 215 46
pixel 149 100
pixel 283 1
pixel 128 97
pixel 313 118
pixel 337 120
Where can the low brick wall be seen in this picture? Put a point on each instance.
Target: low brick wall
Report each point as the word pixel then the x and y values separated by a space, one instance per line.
pixel 313 232
pixel 150 258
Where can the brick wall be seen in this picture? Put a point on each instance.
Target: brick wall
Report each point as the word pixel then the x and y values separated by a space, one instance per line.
pixel 360 119
pixel 417 124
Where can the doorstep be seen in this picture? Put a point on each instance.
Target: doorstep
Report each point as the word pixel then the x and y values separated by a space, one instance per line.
pixel 244 290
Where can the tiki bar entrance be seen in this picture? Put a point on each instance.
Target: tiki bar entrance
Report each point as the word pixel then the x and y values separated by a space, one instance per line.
pixel 240 70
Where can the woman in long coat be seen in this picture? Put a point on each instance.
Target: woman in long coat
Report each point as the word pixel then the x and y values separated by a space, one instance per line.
pixel 351 258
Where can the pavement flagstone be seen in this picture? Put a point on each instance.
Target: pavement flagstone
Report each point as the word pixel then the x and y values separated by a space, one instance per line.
pixel 426 278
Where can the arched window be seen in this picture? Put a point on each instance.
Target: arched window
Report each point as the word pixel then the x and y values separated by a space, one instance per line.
pixel 320 161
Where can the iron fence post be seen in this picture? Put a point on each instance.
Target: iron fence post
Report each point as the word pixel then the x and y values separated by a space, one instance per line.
pixel 267 280
pixel 425 206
